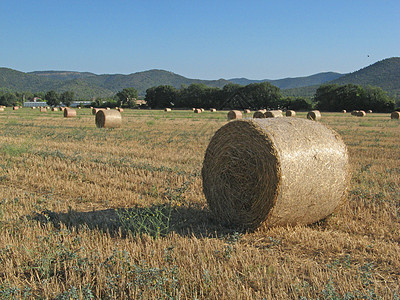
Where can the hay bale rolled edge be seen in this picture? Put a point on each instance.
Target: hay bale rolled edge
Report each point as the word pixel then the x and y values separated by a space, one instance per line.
pixel 290 113
pixel 395 115
pixel 361 113
pixel 314 115
pixel 234 114
pixel 276 171
pixel 108 119
pixel 69 112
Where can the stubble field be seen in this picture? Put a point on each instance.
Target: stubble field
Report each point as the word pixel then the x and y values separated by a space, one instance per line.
pixel 89 213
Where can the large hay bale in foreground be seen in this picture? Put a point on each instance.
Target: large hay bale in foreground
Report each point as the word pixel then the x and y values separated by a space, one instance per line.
pixel 259 114
pixel 314 115
pixel 108 119
pixel 361 113
pixel 290 113
pixel 69 112
pixel 395 115
pixel 234 114
pixel 273 114
pixel 276 171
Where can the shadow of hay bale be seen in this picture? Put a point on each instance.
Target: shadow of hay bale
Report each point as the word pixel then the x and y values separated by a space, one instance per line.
pixel 185 221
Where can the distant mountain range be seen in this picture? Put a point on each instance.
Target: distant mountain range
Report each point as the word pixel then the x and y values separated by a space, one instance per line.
pixel 385 74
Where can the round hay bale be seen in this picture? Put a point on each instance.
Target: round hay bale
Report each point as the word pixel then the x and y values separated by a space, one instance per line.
pixel 193 109
pixel 55 109
pixel 198 111
pixel 369 111
pixel 1 108
pixel 107 108
pixel 395 115
pixel 69 113
pixel 273 114
pixel 108 119
pixel 62 108
pixel 259 114
pixel 290 113
pixel 275 171
pixel 167 109
pixel 314 115
pixel 202 109
pixel 43 109
pixel 33 107
pixel 247 111
pixel 213 109
pixel 344 111
pixel 354 112
pixel 15 107
pixel 234 114
pixel 120 109
pixel 361 113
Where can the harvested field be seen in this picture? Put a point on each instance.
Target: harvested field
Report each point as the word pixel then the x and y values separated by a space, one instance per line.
pixel 119 213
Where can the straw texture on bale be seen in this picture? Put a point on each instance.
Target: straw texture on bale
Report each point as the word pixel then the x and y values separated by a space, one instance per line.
pixel 259 114
pixel 43 109
pixel 344 111
pixel 274 172
pixel 108 119
pixel 395 115
pixel 290 113
pixel 273 114
pixel 213 109
pixel 234 114
pixel 247 111
pixel 69 113
pixel 198 111
pixel 361 113
pixel 167 109
pixel 314 115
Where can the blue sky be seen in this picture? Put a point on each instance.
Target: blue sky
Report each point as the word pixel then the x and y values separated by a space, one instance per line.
pixel 199 39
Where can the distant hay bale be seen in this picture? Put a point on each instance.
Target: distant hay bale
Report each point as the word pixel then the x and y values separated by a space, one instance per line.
pixel 259 114
pixel 395 115
pixel 167 109
pixel 361 113
pixel 202 109
pixel 107 108
pixel 55 109
pixel 69 113
pixel 43 109
pixel 193 109
pixel 314 115
pixel 213 110
pixel 369 111
pixel 33 107
pixel 273 114
pixel 275 172
pixel 62 108
pixel 120 109
pixel 290 113
pixel 247 111
pixel 15 107
pixel 108 119
pixel 354 112
pixel 344 111
pixel 95 110
pixel 198 111
pixel 234 114
pixel 1 108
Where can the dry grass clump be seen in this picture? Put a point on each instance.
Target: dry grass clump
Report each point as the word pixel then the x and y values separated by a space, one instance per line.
pixel 290 113
pixel 395 115
pixel 262 171
pixel 273 114
pixel 167 109
pixel 108 119
pixel 69 113
pixel 314 115
pixel 361 113
pixel 259 114
pixel 234 114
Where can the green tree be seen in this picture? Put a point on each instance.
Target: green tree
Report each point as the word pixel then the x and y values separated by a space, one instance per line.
pixel 161 96
pixel 127 97
pixel 67 98
pixel 8 99
pixel 52 98
pixel 263 95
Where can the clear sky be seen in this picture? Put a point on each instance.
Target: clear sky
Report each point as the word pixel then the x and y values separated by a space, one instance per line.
pixel 199 39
